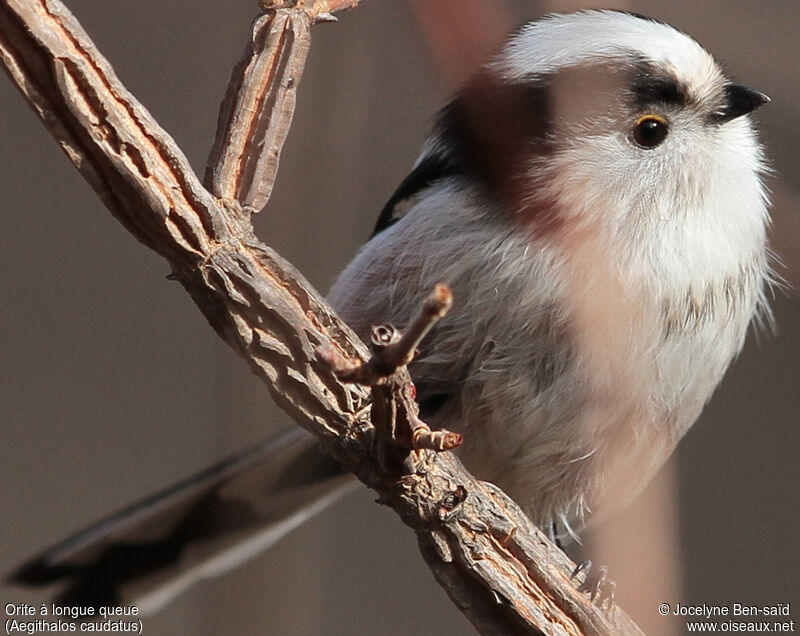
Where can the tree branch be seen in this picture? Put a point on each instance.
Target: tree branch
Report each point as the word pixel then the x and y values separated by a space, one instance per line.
pixel 257 109
pixel 496 566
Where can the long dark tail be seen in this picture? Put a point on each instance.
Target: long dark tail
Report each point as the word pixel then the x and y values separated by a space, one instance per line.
pixel 200 528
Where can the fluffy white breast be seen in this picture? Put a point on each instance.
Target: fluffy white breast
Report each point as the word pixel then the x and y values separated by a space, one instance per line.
pixel 582 353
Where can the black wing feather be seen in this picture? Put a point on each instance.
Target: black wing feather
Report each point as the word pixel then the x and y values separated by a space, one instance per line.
pixel 431 168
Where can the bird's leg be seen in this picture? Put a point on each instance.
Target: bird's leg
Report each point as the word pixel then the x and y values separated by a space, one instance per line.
pixel 554 536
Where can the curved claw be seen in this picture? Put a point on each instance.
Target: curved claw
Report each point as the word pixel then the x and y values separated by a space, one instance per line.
pixel 594 581
pixel 597 584
pixel 583 565
pixel 606 598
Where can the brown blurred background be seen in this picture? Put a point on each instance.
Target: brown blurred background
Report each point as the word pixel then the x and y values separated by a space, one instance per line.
pixel 112 385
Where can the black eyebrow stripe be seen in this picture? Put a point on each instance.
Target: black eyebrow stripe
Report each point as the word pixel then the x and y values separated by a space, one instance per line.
pixel 650 86
pixel 657 91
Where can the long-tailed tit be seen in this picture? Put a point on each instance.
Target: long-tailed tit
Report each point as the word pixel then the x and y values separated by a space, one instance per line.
pixel 593 196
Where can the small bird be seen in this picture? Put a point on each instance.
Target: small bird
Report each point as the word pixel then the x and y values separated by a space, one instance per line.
pixel 594 198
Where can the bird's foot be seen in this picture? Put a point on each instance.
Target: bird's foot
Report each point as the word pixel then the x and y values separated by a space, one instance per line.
pixel 596 583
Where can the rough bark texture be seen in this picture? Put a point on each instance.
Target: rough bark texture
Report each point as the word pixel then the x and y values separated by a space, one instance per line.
pixel 260 115
pixel 496 566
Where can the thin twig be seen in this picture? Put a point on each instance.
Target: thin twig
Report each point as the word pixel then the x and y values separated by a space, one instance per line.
pixel 391 349
pixel 391 352
pixel 433 310
pixel 314 8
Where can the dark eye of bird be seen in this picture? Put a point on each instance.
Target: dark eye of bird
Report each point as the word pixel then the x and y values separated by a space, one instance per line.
pixel 649 131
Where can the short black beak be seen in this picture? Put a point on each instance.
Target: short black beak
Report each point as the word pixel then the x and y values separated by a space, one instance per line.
pixel 740 100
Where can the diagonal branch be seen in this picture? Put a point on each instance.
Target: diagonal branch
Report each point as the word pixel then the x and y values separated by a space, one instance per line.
pixel 495 565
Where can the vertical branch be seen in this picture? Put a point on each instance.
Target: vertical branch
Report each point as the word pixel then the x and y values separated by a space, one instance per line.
pixel 258 106
pixel 257 109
